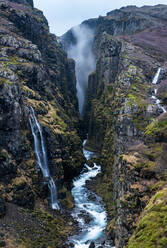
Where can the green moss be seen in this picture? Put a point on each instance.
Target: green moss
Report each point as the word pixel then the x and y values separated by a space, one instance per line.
pixel 10 61
pixel 158 186
pixel 157 128
pixel 110 88
pixel 51 231
pixel 152 227
pixel 5 81
pixel 132 98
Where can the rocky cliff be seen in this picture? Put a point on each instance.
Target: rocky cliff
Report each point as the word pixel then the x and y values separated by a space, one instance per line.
pixel 130 46
pixel 34 71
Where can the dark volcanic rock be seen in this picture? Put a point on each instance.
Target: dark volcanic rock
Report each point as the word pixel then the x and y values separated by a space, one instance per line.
pixel 29 2
pixel 2 243
pixel 35 71
pixel 92 245
pixel 2 208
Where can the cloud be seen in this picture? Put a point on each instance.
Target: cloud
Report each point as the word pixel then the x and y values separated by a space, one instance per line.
pixel 63 14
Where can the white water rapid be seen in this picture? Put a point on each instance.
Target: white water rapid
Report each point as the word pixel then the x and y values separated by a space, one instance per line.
pixel 154 96
pixel 41 157
pixel 89 210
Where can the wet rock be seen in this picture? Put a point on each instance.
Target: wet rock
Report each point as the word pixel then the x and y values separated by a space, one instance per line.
pixel 92 245
pixel 71 245
pixel 2 243
pixel 2 208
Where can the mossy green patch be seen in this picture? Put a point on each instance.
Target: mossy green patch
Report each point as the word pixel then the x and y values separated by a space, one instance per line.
pixel 157 128
pixel 6 81
pixel 46 230
pixel 12 60
pixel 152 228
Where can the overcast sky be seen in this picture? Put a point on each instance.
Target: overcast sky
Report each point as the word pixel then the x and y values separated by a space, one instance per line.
pixel 64 14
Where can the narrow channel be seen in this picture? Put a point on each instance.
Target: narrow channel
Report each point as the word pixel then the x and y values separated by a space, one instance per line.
pixel 89 210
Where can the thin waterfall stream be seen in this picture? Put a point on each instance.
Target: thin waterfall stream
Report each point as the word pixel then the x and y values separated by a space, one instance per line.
pixel 154 96
pixel 41 157
pixel 89 210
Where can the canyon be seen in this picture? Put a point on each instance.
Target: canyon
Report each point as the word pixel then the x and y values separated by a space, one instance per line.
pixel 105 82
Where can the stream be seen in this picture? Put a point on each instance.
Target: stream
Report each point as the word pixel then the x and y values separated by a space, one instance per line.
pixel 89 210
pixel 154 96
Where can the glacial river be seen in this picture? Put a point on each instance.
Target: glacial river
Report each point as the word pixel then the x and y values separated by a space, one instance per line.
pixel 89 210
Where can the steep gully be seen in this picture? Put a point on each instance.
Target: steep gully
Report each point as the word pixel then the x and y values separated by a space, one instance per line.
pixel 89 209
pixel 89 206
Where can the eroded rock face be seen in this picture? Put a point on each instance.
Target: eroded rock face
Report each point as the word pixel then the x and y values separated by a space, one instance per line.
pixel 35 71
pixel 124 124
pixel 131 132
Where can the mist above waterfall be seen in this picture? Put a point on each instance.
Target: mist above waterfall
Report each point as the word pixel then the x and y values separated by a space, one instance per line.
pixel 82 53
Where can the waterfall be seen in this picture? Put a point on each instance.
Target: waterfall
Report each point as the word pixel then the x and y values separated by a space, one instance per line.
pixel 154 97
pixel 39 144
pixel 53 194
pixel 41 157
pixel 82 53
pixel 156 77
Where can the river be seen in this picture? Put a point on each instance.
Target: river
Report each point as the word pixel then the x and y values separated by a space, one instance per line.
pixel 89 210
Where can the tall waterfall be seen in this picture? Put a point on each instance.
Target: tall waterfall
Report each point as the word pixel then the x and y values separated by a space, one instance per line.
pixel 82 53
pixel 154 96
pixel 41 157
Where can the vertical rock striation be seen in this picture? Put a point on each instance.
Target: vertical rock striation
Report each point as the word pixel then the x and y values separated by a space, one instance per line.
pixel 35 71
pixel 125 125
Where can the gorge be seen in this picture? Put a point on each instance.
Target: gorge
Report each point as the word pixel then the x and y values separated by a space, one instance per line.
pixel 105 82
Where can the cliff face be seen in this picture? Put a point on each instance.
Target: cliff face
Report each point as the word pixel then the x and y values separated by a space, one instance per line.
pixel 131 127
pixel 126 125
pixel 129 46
pixel 34 71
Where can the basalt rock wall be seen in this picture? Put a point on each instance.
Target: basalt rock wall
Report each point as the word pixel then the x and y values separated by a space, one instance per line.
pixel 128 128
pixel 35 71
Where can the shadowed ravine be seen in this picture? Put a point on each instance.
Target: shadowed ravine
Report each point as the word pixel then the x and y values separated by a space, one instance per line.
pixel 89 210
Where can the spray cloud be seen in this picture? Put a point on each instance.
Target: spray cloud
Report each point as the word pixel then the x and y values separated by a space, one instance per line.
pixel 81 52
